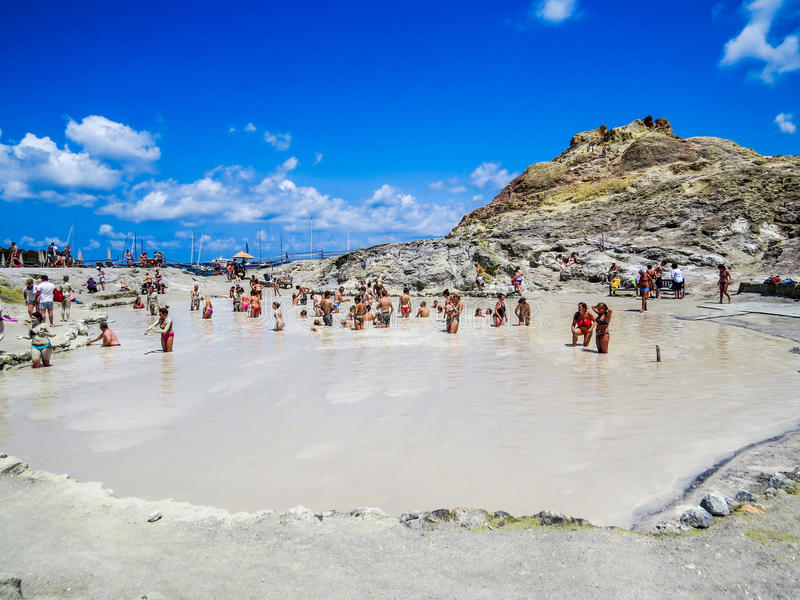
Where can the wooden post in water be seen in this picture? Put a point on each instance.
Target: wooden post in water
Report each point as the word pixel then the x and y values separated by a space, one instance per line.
pixel 658 353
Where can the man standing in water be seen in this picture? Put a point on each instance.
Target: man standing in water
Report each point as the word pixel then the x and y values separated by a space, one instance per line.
pixel 326 306
pixel 360 313
pixel 109 337
pixel 387 309
pixel 195 296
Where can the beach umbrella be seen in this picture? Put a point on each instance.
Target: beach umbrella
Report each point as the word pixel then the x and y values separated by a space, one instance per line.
pixel 242 254
pixel 109 254
pixel 41 258
pixel 80 256
pixel 3 260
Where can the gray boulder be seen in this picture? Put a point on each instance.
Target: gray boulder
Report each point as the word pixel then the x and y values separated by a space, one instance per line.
pixel 779 481
pixel 10 587
pixel 716 505
pixel 699 518
pixel 745 496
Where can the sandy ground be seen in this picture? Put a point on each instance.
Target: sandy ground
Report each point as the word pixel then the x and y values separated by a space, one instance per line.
pixel 66 539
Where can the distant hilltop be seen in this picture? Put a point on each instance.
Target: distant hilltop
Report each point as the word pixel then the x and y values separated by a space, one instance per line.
pixel 631 194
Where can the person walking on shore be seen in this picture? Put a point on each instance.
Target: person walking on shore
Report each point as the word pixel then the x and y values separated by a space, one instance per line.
pixel 44 297
pixel 602 320
pixel 66 298
pixel 723 283
pixel 163 326
pixel 30 292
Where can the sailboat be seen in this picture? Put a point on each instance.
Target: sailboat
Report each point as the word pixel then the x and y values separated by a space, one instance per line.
pixel 80 257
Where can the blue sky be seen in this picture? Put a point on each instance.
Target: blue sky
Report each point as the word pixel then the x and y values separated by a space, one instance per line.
pixel 384 121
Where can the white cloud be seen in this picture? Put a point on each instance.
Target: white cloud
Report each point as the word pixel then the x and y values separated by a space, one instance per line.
pixel 108 231
pixel 27 241
pixel 92 245
pixel 216 244
pixel 436 185
pixel 280 141
pixel 554 11
pixel 156 245
pixel 317 158
pixel 457 189
pixel 109 139
pixel 490 173
pixel 785 123
pixel 752 43
pixel 477 197
pixel 249 127
pixel 231 129
pixel 235 195
pixel 35 165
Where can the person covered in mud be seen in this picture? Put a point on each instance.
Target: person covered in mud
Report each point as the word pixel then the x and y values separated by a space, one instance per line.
pixel 109 337
pixel 278 315
pixel 523 312
pixel 195 295
pixel 39 335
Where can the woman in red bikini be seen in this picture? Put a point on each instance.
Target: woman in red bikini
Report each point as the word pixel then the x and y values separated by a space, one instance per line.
pixel 163 326
pixel 582 324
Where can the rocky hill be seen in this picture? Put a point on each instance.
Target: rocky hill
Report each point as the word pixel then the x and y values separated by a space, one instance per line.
pixel 633 194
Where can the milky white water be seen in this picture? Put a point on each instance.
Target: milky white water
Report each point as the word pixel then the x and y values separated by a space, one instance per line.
pixel 408 418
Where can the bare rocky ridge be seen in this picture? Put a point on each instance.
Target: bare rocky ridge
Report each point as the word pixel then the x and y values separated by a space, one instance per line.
pixel 633 195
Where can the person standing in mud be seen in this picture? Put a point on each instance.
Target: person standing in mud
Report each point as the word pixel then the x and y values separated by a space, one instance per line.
pixel 405 305
pixel 500 312
pixel 456 307
pixel 66 298
pixel 644 285
pixel 152 299
pixel 601 321
pixel 163 325
pixel 195 297
pixel 326 307
pixel 723 283
pixel 302 294
pixel 360 314
pixel 659 277
pixel 523 312
pixel 582 324
pixel 386 309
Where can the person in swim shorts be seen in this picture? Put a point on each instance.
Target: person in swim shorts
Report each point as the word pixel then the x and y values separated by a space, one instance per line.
pixel 423 312
pixel 644 285
pixel 30 292
pixel 163 325
pixel 386 308
pixel 326 308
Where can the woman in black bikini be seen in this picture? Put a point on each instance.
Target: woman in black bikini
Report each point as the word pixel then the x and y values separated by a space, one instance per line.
pixel 603 317
pixel 500 311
